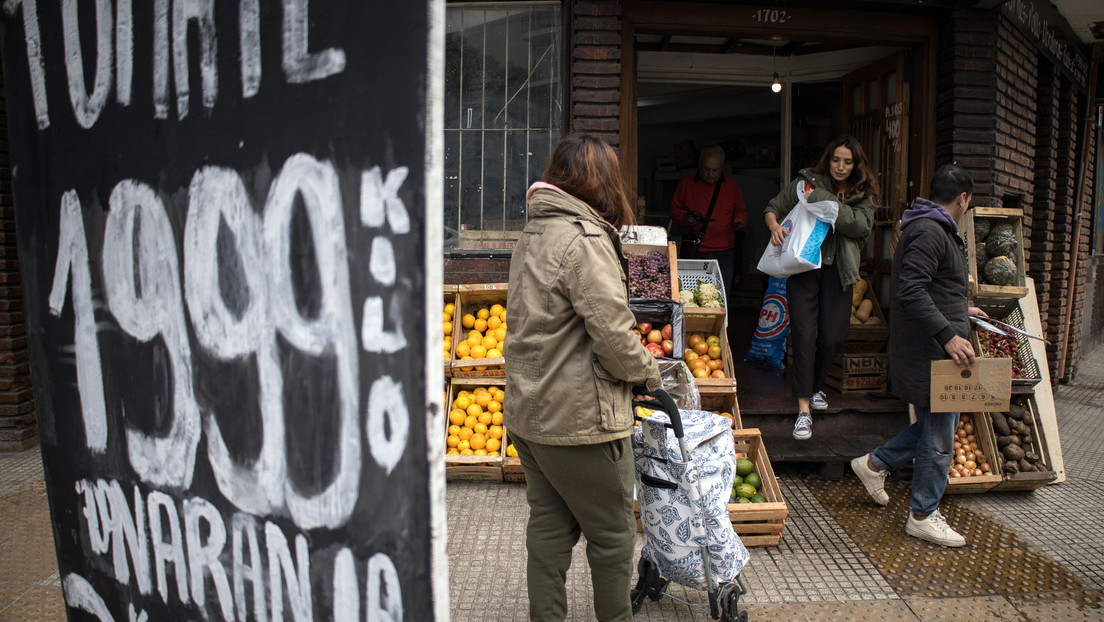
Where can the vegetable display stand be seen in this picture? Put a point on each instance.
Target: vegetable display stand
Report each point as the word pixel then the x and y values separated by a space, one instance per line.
pixel 758 524
pixel 1023 422
pixel 858 373
pixel 1025 369
pixel 869 330
pixel 691 273
pixel 642 285
pixel 983 434
pixel 992 233
pixel 469 300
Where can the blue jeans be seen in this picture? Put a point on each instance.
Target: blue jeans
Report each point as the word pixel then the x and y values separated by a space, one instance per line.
pixel 930 442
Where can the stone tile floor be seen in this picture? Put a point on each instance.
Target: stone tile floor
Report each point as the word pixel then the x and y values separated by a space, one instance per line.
pixel 818 572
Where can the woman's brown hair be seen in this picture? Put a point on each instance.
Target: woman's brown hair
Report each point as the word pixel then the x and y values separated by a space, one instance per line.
pixel 586 168
pixel 862 178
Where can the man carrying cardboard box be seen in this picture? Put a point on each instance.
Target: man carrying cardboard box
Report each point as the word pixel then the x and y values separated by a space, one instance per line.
pixel 929 321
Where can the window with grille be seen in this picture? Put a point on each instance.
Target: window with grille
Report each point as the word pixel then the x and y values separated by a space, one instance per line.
pixel 503 115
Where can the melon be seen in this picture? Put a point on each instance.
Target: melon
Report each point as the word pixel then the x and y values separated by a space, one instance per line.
pixel 1000 242
pixel 981 228
pixel 1001 270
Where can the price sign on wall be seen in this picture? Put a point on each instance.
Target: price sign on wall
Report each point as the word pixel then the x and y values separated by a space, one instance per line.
pixel 222 216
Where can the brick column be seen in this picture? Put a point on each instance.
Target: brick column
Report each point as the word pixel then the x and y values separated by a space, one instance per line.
pixel 18 421
pixel 1046 184
pixel 596 68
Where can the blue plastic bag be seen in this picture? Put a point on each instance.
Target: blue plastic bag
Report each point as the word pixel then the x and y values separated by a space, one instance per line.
pixel 768 344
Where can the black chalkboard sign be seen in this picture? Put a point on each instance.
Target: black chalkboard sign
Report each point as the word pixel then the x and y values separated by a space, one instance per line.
pixel 221 216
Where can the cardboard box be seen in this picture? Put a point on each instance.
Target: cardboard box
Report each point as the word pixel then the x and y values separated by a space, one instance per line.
pixel 984 386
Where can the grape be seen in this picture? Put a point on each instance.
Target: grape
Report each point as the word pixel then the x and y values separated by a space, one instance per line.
pixel 649 275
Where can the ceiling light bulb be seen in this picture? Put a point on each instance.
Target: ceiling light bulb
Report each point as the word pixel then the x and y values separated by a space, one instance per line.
pixel 776 86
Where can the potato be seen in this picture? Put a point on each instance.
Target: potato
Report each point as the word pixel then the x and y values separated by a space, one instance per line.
pixel 863 312
pixel 1004 441
pixel 1013 452
pixel 873 321
pixel 858 290
pixel 1000 424
pixel 855 320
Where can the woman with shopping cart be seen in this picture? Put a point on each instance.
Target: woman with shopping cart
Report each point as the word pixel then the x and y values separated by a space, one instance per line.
pixel 571 363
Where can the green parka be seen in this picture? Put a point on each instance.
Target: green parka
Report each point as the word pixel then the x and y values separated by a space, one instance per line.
pixel 571 356
pixel 843 245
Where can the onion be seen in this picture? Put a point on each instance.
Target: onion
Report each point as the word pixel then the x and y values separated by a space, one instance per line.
pixel 970 465
pixel 969 427
pixel 978 473
pixel 984 467
pixel 960 458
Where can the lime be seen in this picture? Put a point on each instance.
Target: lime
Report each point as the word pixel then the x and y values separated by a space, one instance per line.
pixel 743 500
pixel 757 498
pixel 744 466
pixel 744 490
pixel 753 479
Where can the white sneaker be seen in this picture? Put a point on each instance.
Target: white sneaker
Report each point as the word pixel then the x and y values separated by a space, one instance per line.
pixel 873 480
pixel 934 529
pixel 818 401
pixel 803 427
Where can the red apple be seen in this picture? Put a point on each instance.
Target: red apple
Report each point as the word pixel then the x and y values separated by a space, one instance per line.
pixel 644 327
pixel 668 347
pixel 655 336
pixel 655 349
pixel 667 331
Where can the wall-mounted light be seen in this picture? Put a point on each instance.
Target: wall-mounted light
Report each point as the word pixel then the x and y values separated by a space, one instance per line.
pixel 776 86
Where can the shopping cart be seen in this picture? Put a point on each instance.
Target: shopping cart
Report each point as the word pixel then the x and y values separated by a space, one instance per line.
pixel 685 466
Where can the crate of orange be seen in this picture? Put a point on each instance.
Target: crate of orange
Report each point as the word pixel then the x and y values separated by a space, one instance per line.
pixel 474 435
pixel 511 463
pixel 722 401
pixel 708 355
pixel 480 335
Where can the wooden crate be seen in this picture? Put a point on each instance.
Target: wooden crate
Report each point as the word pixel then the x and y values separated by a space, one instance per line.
pixel 668 250
pixel 511 467
pixel 983 428
pixel 469 299
pixel 1035 479
pixel 759 524
pixel 722 399
pixel 985 294
pixel 867 338
pixel 476 238
pixel 713 325
pixel 472 468
pixel 858 373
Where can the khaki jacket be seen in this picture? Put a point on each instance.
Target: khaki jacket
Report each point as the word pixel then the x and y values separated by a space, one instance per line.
pixel 571 358
pixel 844 243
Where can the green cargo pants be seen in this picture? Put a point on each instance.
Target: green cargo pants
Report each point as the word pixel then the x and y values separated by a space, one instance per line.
pixel 573 489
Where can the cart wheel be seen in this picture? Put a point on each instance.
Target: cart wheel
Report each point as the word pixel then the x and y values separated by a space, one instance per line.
pixel 730 594
pixel 649 584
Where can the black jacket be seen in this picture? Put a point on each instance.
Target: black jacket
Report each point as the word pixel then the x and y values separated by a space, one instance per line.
pixel 930 298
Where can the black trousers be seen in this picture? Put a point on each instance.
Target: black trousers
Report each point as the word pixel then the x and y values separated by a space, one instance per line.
pixel 820 315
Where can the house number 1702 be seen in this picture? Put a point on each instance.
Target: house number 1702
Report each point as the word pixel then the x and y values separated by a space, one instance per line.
pixel 771 16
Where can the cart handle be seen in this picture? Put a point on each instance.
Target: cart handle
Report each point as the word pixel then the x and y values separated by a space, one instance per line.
pixel 670 407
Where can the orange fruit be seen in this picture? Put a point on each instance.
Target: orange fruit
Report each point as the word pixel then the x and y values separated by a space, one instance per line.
pixel 480 452
pixel 457 416
pixel 498 393
pixel 462 402
pixel 495 407
pixel 463 349
pixel 496 417
pixel 510 451
pixel 493 453
pixel 463 446
pixel 467 452
pixel 480 428
pixel 454 429
pixel 475 410
pixel 453 440
pixel 500 333
pixel 483 398
pixel 477 441
pixel 468 320
pixel 470 421
pixel 483 313
pixel 452 452
pixel 480 325
pixel 448 328
pixel 498 310
pixel 492 323
pixel 465 433
pixel 493 444
pixel 489 343
pixel 495 431
pixel 450 308
pixel 494 353
pixel 478 352
pixel 485 418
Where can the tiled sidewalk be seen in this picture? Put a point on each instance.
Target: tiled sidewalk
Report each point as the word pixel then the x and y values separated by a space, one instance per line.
pixel 824 569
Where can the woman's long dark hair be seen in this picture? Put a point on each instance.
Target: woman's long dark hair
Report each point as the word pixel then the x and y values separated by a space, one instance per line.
pixel 862 178
pixel 586 167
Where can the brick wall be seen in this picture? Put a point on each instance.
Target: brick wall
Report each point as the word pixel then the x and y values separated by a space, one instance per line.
pixel 595 71
pixel 1062 215
pixel 1046 174
pixel 18 421
pixel 1079 340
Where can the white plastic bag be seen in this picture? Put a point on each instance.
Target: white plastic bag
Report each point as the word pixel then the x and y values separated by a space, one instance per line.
pixel 807 225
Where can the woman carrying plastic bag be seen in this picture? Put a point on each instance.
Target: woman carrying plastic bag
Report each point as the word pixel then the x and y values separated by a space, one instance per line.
pixel 819 299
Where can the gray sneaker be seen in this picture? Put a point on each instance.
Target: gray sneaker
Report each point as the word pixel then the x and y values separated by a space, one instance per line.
pixel 934 529
pixel 873 480
pixel 818 401
pixel 803 427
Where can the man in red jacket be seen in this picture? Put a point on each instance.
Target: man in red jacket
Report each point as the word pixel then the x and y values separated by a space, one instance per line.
pixel 718 226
